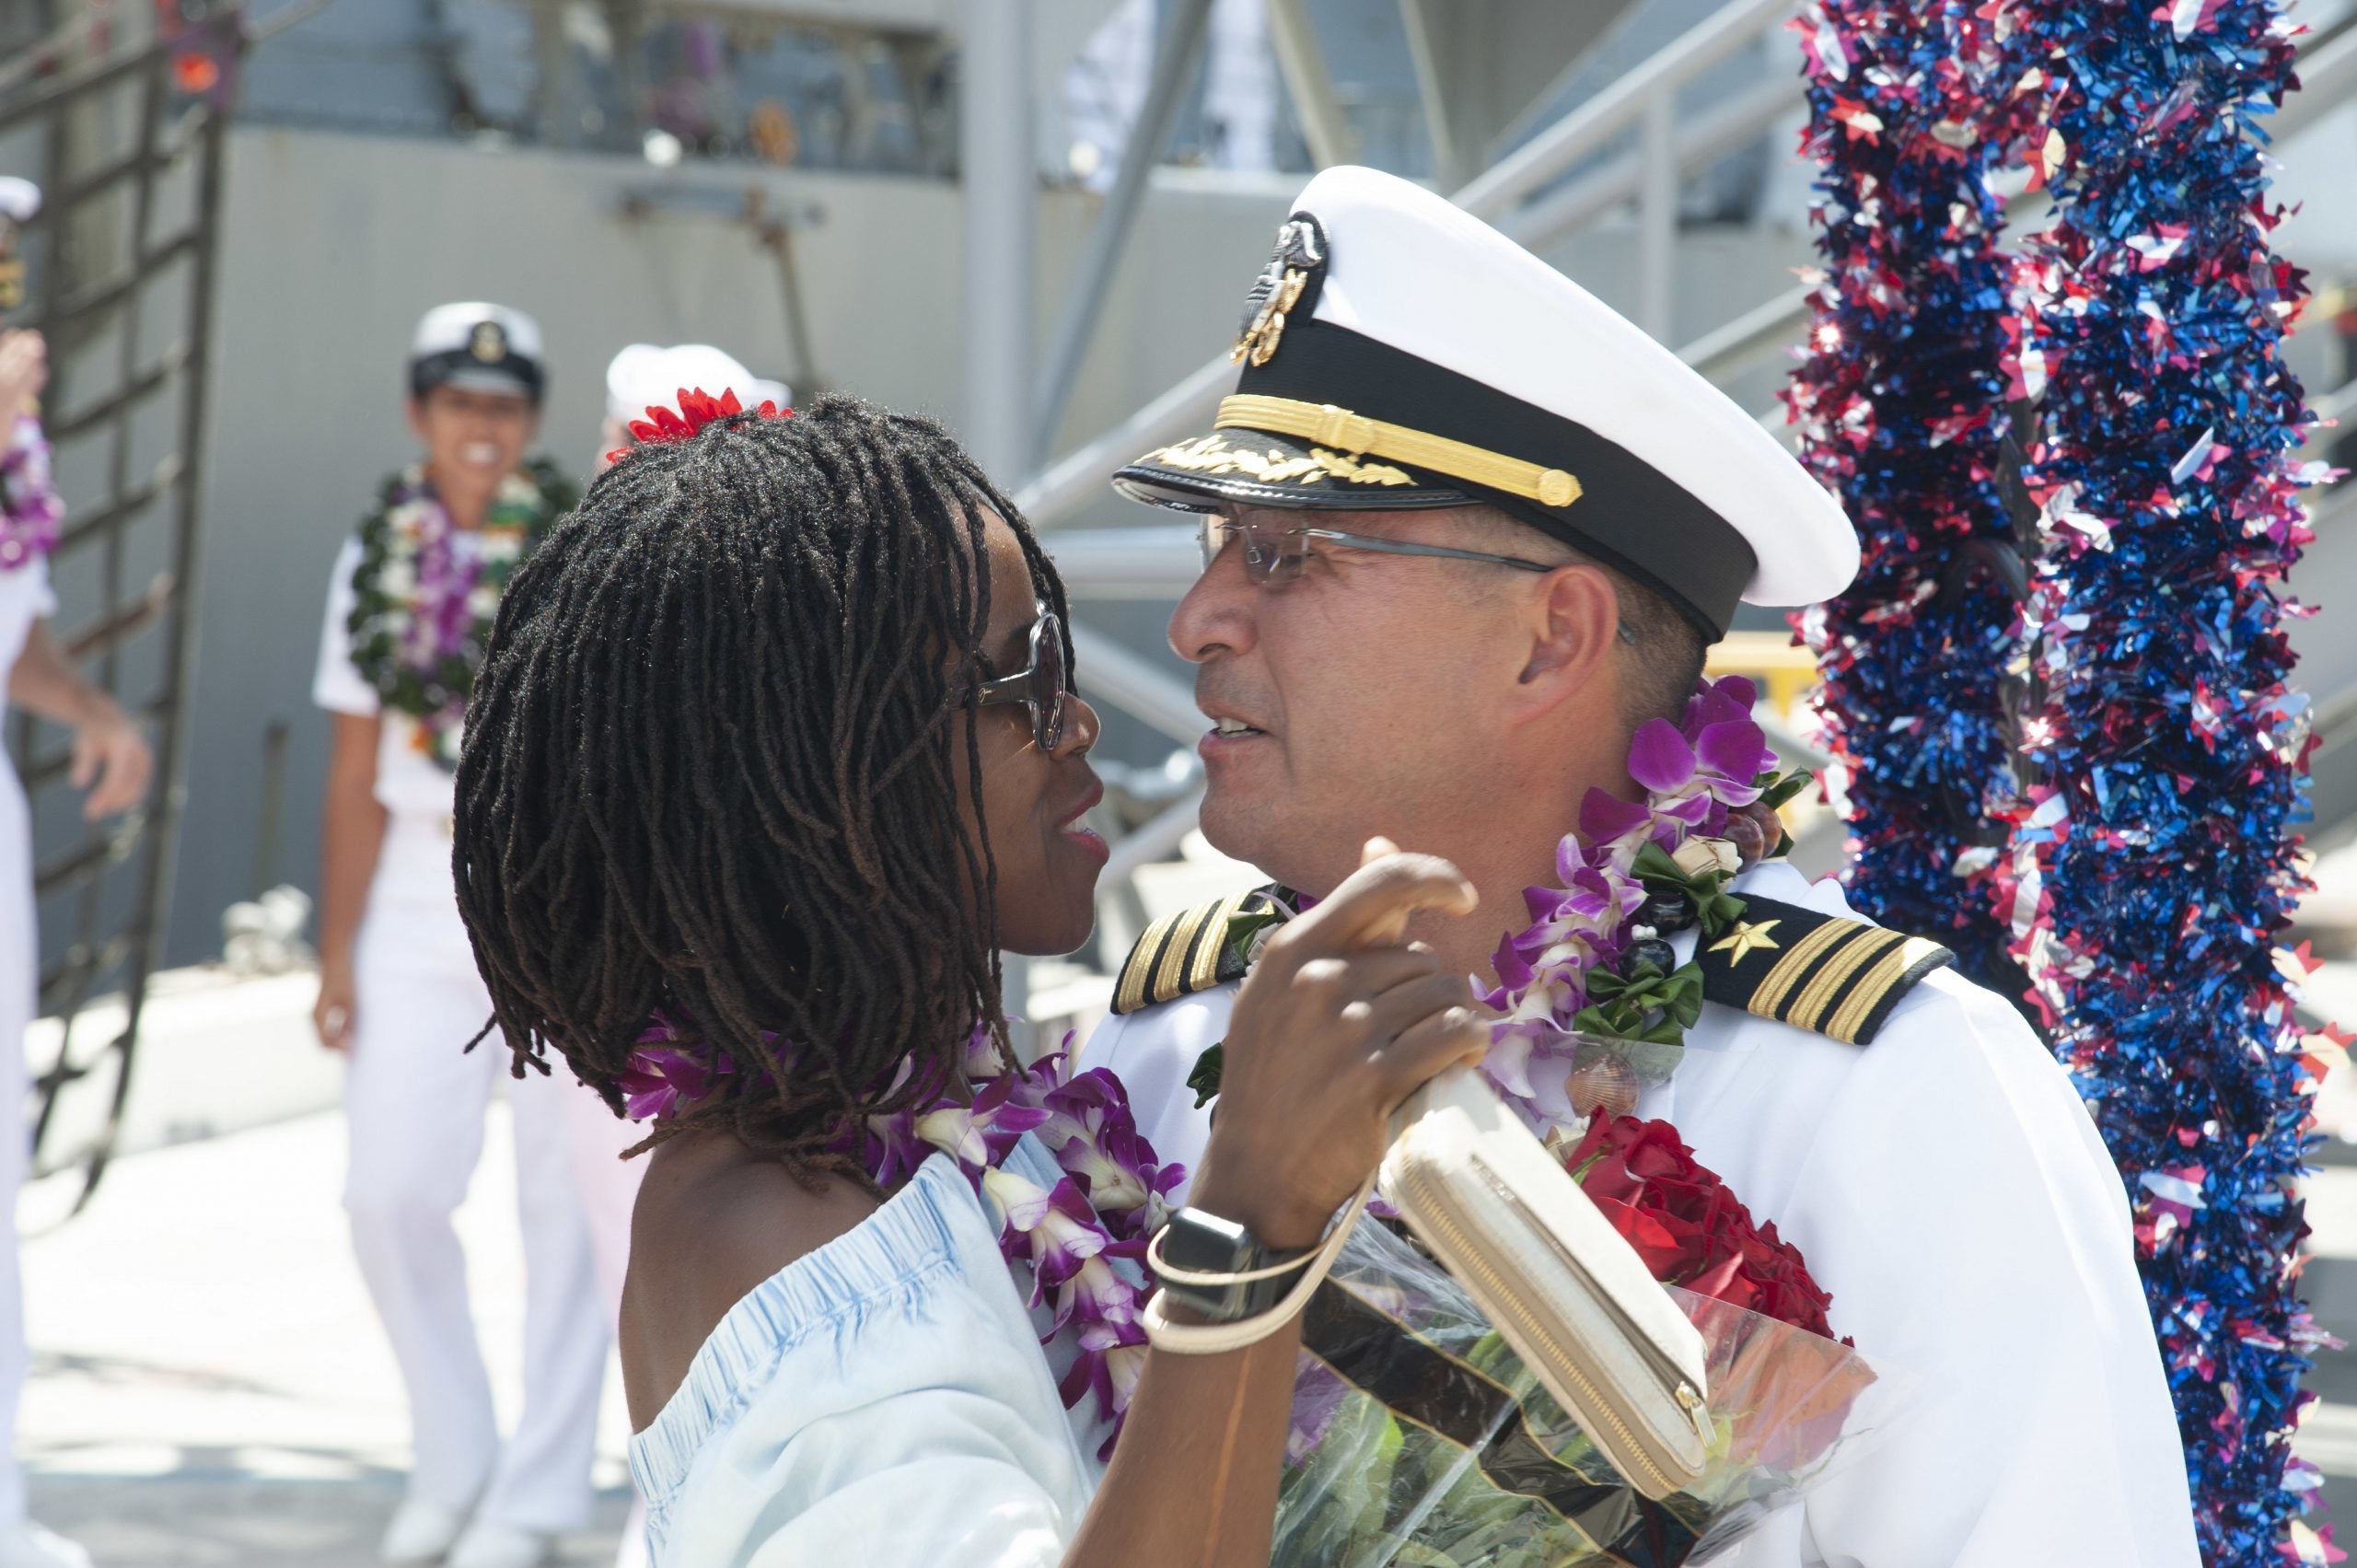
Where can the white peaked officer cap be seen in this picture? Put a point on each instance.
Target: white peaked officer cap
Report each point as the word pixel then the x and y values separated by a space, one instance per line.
pixel 478 347
pixel 644 375
pixel 1401 355
pixel 19 199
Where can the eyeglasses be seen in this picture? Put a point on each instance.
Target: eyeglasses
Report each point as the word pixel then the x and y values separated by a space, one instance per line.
pixel 1039 686
pixel 1280 555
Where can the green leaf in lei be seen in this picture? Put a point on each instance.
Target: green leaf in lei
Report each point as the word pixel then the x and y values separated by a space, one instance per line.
pixel 527 506
pixel 1714 907
pixel 1778 788
pixel 1644 1004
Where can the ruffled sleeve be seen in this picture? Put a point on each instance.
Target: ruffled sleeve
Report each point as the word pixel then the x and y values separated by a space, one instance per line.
pixel 881 1401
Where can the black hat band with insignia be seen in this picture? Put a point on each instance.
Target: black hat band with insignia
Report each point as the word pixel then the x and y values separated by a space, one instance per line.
pixel 477 346
pixel 1397 354
pixel 1459 441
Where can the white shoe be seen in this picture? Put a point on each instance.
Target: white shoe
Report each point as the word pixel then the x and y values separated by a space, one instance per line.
pixel 26 1545
pixel 490 1544
pixel 421 1532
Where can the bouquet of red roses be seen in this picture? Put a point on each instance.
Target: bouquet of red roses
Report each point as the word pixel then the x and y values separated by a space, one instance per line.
pixel 1688 1226
pixel 1420 1438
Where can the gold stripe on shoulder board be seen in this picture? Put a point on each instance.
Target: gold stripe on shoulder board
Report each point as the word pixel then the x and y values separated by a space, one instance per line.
pixel 1204 972
pixel 1181 954
pixel 1832 975
pixel 1138 967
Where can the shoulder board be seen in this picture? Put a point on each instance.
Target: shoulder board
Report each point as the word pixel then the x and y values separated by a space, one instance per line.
pixel 1181 954
pixel 1821 972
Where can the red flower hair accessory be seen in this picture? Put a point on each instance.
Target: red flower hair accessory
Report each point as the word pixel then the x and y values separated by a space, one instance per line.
pixel 696 409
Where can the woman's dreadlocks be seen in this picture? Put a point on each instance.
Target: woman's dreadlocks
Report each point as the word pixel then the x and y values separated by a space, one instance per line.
pixel 709 770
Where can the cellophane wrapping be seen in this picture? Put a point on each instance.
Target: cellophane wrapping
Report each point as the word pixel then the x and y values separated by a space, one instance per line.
pixel 1420 1440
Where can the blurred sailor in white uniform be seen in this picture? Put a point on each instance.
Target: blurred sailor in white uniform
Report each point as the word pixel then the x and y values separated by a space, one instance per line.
pixel 409 602
pixel 110 759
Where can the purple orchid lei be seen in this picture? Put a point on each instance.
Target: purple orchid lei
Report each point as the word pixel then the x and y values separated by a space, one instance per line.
pixel 424 593
pixel 1711 790
pixel 1110 1199
pixel 31 509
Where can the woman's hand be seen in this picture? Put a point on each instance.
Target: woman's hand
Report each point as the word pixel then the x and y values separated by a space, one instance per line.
pixel 1336 1025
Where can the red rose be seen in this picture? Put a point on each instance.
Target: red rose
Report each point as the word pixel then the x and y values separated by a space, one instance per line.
pixel 1686 1224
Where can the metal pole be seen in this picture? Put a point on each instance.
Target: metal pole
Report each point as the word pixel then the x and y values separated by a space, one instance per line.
pixel 1425 29
pixel 1303 63
pixel 997 163
pixel 999 181
pixel 1657 217
pixel 1175 53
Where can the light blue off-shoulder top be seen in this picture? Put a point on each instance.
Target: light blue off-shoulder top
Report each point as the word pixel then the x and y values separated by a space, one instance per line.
pixel 883 1400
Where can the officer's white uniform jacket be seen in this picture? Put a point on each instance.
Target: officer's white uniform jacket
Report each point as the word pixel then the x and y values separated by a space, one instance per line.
pixel 1947 1186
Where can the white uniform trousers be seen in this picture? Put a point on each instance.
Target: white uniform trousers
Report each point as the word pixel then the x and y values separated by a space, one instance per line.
pixel 20 978
pixel 416 1104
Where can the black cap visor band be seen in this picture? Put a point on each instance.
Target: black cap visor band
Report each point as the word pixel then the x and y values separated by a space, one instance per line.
pixel 1629 514
pixel 459 365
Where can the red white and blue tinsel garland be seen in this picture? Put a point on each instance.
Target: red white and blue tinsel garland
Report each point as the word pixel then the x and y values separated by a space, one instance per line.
pixel 1900 401
pixel 2153 869
pixel 2151 865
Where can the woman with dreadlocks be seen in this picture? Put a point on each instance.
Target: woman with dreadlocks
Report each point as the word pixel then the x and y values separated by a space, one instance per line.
pixel 772 755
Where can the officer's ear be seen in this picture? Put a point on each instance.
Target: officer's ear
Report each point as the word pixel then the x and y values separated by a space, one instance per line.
pixel 1572 616
pixel 416 409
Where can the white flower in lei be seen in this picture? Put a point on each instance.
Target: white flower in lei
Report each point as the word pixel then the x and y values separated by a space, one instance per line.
pixel 1084 1238
pixel 425 592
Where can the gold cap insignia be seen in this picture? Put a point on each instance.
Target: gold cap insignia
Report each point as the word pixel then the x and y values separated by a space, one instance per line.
pixel 1295 267
pixel 489 343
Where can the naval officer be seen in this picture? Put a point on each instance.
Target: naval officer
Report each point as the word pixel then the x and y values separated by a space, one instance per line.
pixel 1464 529
pixel 410 604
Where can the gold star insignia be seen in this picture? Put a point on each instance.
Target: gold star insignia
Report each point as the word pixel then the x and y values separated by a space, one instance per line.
pixel 1745 939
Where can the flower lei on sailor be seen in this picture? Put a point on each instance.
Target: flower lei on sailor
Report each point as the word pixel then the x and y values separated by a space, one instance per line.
pixel 1594 960
pixel 422 607
pixel 31 509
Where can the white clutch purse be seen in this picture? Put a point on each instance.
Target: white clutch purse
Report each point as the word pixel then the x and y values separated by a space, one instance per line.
pixel 1573 1299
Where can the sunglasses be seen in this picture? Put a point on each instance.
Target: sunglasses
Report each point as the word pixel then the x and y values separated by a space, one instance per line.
pixel 1039 685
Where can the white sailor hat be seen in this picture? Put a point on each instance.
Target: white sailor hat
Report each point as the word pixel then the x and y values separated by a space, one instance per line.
pixel 478 347
pixel 19 199
pixel 645 375
pixel 1401 355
